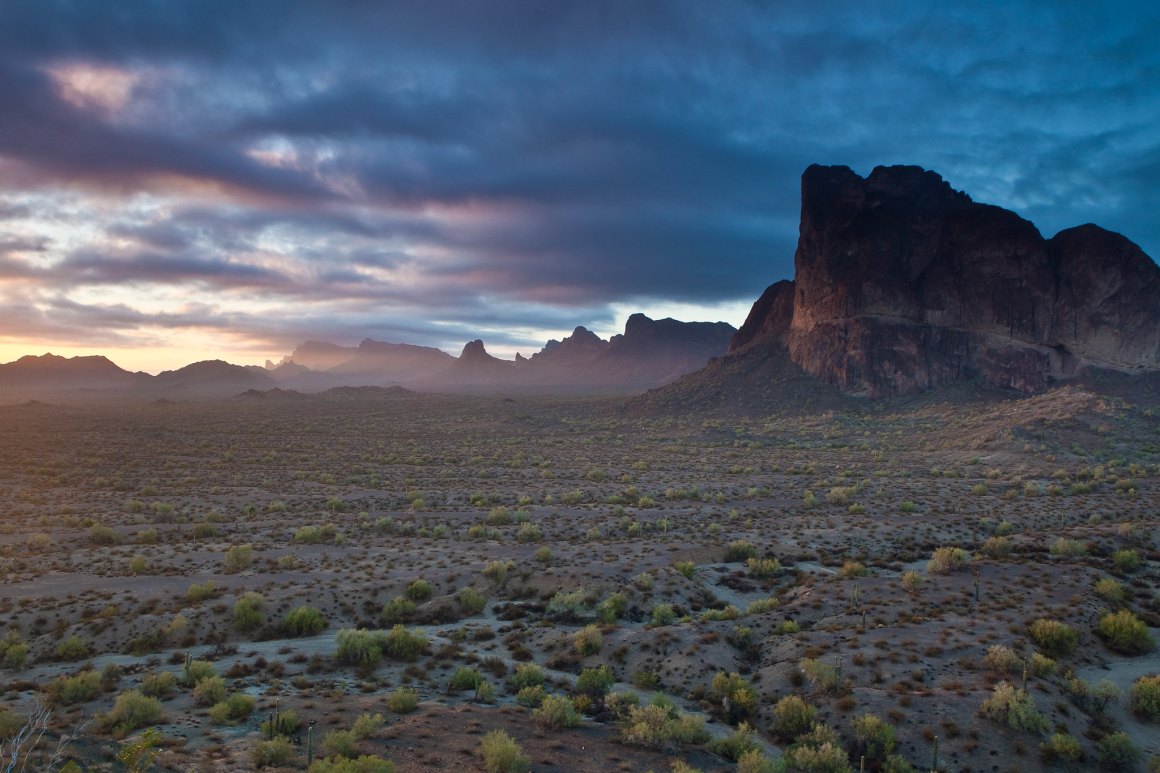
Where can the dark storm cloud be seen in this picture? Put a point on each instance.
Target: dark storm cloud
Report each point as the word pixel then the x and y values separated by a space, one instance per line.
pixel 566 155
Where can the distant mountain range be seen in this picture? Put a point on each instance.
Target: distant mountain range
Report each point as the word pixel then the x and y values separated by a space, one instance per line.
pixel 649 353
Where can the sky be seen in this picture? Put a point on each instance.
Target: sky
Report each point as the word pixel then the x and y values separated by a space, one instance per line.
pixel 183 181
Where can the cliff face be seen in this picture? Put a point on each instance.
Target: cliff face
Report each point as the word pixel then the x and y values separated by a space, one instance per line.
pixel 903 284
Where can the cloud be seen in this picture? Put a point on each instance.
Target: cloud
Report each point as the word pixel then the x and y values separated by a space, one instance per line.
pixel 429 170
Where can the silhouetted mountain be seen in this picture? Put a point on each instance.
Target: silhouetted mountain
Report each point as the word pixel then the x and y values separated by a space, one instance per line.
pixel 903 284
pixel 212 377
pixel 53 373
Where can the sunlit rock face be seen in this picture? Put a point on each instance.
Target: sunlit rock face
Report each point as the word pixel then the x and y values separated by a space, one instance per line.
pixel 903 284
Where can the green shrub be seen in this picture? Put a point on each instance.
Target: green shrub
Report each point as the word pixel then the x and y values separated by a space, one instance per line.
pixel 72 648
pixel 304 621
pixel 132 710
pixel 556 711
pixel 1117 752
pixel 527 675
pixel 732 746
pixel 1061 747
pixel 1002 658
pixel 400 609
pixel 13 651
pixel 366 763
pixel 739 550
pixel 1126 561
pixel 465 678
pixel 1125 633
pixel 947 559
pixel 1144 697
pixel 754 761
pixel 996 547
pixel 612 608
pixel 248 611
pixel 159 684
pixel 687 568
pixel 531 696
pixel 792 717
pixel 853 569
pixel 763 568
pixel 313 535
pixel 232 710
pixel 340 743
pixel 239 557
pixel 359 647
pixel 501 754
pixel 367 725
pixel 1067 548
pixel 402 644
pixel 1041 665
pixel 285 723
pixel 497 571
pixel 663 614
pixel 78 688
pixel 1015 708
pixel 471 601
pixel 823 676
pixel 196 671
pixel 588 640
pixel 209 691
pixel 275 753
pixel 199 592
pixel 734 695
pixel 595 681
pixel 403 700
pixel 419 590
pixel 875 737
pixel 1053 637
pixel 1110 591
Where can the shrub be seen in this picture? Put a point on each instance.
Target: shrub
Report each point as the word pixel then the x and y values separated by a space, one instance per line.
pixel 501 754
pixel 340 743
pixel 1125 633
pixel 527 675
pixel 1067 548
pixel 199 592
pixel 1144 697
pixel 911 580
pixel 1117 752
pixel 996 547
pixel 471 601
pixel 402 644
pixel 239 557
pixel 403 700
pixel 304 621
pixel 733 693
pixel 366 725
pixel 196 671
pixel 687 568
pixel 1126 561
pixel 209 691
pixel 663 614
pixel 13 651
pixel 595 681
pixel 1041 665
pixel 366 763
pixel 248 611
pixel 570 606
pixel 72 648
pixel 465 678
pixel 822 675
pixel 400 609
pixel 753 761
pixel 947 559
pixel 359 647
pixel 419 590
pixel 275 753
pixel 284 723
pixel 588 640
pixel 732 746
pixel 763 568
pixel 132 710
pixel 232 710
pixel 1015 708
pixel 1053 637
pixel 77 688
pixel 160 684
pixel 1110 591
pixel 1002 658
pixel 543 555
pixel 612 608
pixel 1061 747
pixel 739 550
pixel 556 711
pixel 875 737
pixel 497 571
pixel 792 717
pixel 852 569
pixel 531 696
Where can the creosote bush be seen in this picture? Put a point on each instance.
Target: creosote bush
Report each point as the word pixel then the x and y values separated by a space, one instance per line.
pixel 792 717
pixel 1014 708
pixel 1053 637
pixel 1144 698
pixel 556 711
pixel 1125 633
pixel 947 559
pixel 501 754
pixel 304 621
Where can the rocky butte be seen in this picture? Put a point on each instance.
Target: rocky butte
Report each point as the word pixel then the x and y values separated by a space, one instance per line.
pixel 903 284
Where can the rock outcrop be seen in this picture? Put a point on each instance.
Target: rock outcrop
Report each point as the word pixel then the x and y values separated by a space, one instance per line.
pixel 903 284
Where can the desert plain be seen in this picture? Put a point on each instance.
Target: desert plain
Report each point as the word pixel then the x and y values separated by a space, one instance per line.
pixel 365 578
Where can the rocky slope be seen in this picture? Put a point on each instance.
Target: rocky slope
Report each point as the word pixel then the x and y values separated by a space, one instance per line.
pixel 903 284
